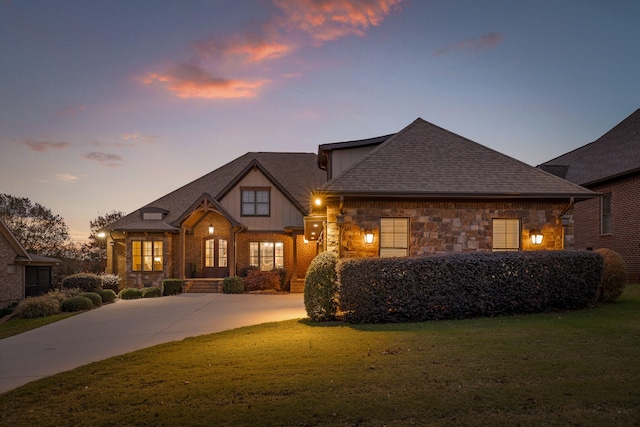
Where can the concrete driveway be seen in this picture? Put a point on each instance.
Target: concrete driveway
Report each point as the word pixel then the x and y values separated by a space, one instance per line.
pixel 130 325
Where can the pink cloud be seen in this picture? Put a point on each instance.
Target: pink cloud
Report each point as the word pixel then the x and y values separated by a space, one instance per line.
pixel 106 159
pixel 44 146
pixel 326 20
pixel 485 42
pixel 192 81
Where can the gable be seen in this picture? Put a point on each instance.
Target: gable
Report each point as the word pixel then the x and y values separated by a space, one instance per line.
pixel 9 241
pixel 424 160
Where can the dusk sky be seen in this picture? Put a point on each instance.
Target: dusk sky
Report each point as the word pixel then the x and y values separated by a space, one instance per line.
pixel 109 105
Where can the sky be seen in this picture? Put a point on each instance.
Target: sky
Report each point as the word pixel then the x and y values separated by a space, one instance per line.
pixel 109 105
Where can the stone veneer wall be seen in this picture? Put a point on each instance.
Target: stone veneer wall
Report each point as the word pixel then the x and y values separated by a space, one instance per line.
pixel 11 284
pixel 443 227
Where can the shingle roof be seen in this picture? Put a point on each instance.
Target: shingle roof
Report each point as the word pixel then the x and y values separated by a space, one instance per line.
pixel 427 161
pixel 295 174
pixel 615 153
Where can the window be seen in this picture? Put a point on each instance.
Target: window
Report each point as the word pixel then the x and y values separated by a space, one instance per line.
pixel 146 255
pixel 394 237
pixel 222 253
pixel 266 255
pixel 210 254
pixel 506 234
pixel 11 269
pixel 605 226
pixel 255 202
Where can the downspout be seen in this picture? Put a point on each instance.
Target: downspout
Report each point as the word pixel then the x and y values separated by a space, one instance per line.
pixel 564 227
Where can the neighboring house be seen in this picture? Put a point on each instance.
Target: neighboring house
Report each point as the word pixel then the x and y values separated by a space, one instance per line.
pixel 249 212
pixel 22 274
pixel 610 166
pixel 426 190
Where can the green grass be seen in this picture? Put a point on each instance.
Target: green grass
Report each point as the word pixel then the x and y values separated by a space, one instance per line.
pixel 568 368
pixel 16 326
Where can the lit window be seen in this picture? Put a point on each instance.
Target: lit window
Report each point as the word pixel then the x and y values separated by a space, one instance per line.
pixel 222 253
pixel 266 255
pixel 606 214
pixel 255 202
pixel 209 253
pixel 394 237
pixel 506 234
pixel 147 255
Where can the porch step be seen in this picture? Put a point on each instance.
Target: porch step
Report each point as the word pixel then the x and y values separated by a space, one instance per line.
pixel 202 286
pixel 297 286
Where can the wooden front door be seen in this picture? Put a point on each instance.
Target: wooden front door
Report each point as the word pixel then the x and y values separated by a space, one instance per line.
pixel 216 258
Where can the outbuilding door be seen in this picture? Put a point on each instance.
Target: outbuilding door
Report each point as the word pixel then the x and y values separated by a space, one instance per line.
pixel 216 257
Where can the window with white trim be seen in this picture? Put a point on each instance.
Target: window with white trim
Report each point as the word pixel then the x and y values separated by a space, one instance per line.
pixel 605 217
pixel 394 237
pixel 266 255
pixel 506 234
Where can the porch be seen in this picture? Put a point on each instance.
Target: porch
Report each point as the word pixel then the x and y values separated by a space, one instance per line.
pixel 202 286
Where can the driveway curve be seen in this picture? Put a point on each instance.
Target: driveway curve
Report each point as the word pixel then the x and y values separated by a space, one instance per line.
pixel 130 325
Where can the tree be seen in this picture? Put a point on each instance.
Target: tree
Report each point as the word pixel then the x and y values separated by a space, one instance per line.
pixel 35 227
pixel 97 246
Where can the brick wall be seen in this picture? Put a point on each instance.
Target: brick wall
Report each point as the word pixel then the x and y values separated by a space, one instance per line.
pixel 11 284
pixel 242 248
pixel 442 227
pixel 625 223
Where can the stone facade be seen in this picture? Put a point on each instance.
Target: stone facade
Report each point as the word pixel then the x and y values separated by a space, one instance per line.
pixel 625 223
pixel 444 227
pixel 11 275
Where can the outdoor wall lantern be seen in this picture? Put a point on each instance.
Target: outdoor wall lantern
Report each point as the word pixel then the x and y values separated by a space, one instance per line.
pixel 368 236
pixel 211 229
pixel 536 236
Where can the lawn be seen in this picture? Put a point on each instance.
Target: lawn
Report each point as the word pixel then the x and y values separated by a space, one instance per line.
pixel 564 368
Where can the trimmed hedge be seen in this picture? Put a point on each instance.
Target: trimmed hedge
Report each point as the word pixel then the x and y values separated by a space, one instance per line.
pixel 257 280
pixel 320 288
pixel 130 293
pixel 87 282
pixel 108 295
pixel 171 287
pixel 614 278
pixel 111 281
pixel 232 285
pixel 152 292
pixel 95 298
pixel 77 303
pixel 460 286
pixel 33 307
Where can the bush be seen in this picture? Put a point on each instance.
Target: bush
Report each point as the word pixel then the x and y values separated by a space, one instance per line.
pixel 459 286
pixel 261 281
pixel 77 303
pixel 244 271
pixel 232 285
pixel 95 298
pixel 33 307
pixel 171 286
pixel 320 288
pixel 108 295
pixel 63 294
pixel 152 292
pixel 284 281
pixel 111 281
pixel 4 311
pixel 87 282
pixel 614 277
pixel 130 293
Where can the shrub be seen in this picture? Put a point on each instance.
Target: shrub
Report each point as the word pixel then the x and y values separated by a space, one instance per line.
pixel 459 286
pixel 32 307
pixel 261 281
pixel 232 285
pixel 130 293
pixel 108 295
pixel 244 271
pixel 77 303
pixel 87 282
pixel 284 281
pixel 95 298
pixel 111 281
pixel 614 277
pixel 320 288
pixel 171 286
pixel 151 292
pixel 4 311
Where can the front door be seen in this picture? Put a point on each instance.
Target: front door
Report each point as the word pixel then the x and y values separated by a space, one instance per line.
pixel 215 258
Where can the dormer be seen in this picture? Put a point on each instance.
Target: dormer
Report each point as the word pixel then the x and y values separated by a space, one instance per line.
pixel 153 213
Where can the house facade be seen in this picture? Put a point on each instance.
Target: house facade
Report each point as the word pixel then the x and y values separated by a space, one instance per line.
pixel 426 190
pixel 610 166
pixel 22 274
pixel 247 213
